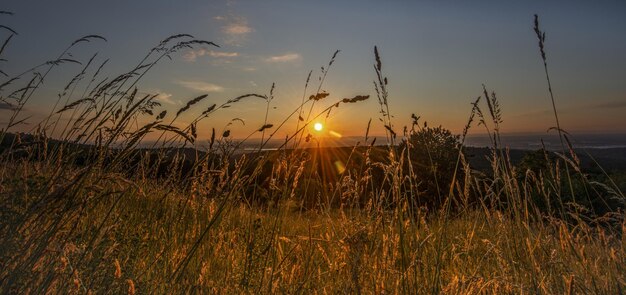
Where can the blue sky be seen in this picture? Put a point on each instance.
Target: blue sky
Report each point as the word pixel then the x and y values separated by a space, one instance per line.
pixel 437 54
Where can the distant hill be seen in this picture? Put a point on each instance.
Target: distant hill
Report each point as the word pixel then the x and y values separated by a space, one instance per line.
pixel 610 159
pixel 613 159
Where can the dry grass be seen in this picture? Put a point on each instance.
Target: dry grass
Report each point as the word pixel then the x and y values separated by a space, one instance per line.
pixel 74 220
pixel 144 237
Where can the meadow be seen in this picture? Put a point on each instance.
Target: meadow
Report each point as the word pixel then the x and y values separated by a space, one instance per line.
pixel 86 208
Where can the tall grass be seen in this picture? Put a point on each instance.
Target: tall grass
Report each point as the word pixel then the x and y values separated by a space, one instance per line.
pixel 85 210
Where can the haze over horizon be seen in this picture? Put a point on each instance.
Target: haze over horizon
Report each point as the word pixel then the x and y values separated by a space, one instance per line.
pixel 436 55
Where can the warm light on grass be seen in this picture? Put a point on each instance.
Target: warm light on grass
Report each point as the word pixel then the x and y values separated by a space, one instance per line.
pixel 412 215
pixel 318 126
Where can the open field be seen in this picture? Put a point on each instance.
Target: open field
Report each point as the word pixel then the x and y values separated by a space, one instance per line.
pixel 165 240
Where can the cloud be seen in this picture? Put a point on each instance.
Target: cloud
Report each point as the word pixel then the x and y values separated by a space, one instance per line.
pixel 249 69
pixel 6 106
pixel 222 54
pixel 236 29
pixel 166 98
pixel 192 55
pixel 201 86
pixel 284 58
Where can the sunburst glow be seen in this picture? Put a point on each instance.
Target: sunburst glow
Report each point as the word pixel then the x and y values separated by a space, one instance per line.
pixel 318 126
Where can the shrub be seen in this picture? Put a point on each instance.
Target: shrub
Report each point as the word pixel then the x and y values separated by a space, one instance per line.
pixel 432 154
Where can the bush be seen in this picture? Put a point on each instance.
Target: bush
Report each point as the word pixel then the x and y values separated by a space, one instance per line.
pixel 433 153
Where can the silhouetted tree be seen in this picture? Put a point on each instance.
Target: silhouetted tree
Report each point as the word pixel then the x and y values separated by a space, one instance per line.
pixel 433 153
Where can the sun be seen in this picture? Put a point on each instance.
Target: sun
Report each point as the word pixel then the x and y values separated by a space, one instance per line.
pixel 318 126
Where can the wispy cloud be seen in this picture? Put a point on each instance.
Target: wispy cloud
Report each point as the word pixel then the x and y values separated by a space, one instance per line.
pixel 201 86
pixel 236 29
pixel 166 98
pixel 289 57
pixel 192 55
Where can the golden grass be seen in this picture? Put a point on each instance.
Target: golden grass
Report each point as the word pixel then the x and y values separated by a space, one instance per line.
pixel 93 214
pixel 139 243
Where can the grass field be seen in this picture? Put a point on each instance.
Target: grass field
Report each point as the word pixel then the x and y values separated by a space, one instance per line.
pixel 87 211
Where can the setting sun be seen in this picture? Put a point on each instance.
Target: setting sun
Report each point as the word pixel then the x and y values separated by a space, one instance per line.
pixel 318 126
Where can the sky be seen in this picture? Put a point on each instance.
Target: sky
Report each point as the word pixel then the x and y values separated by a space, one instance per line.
pixel 436 55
